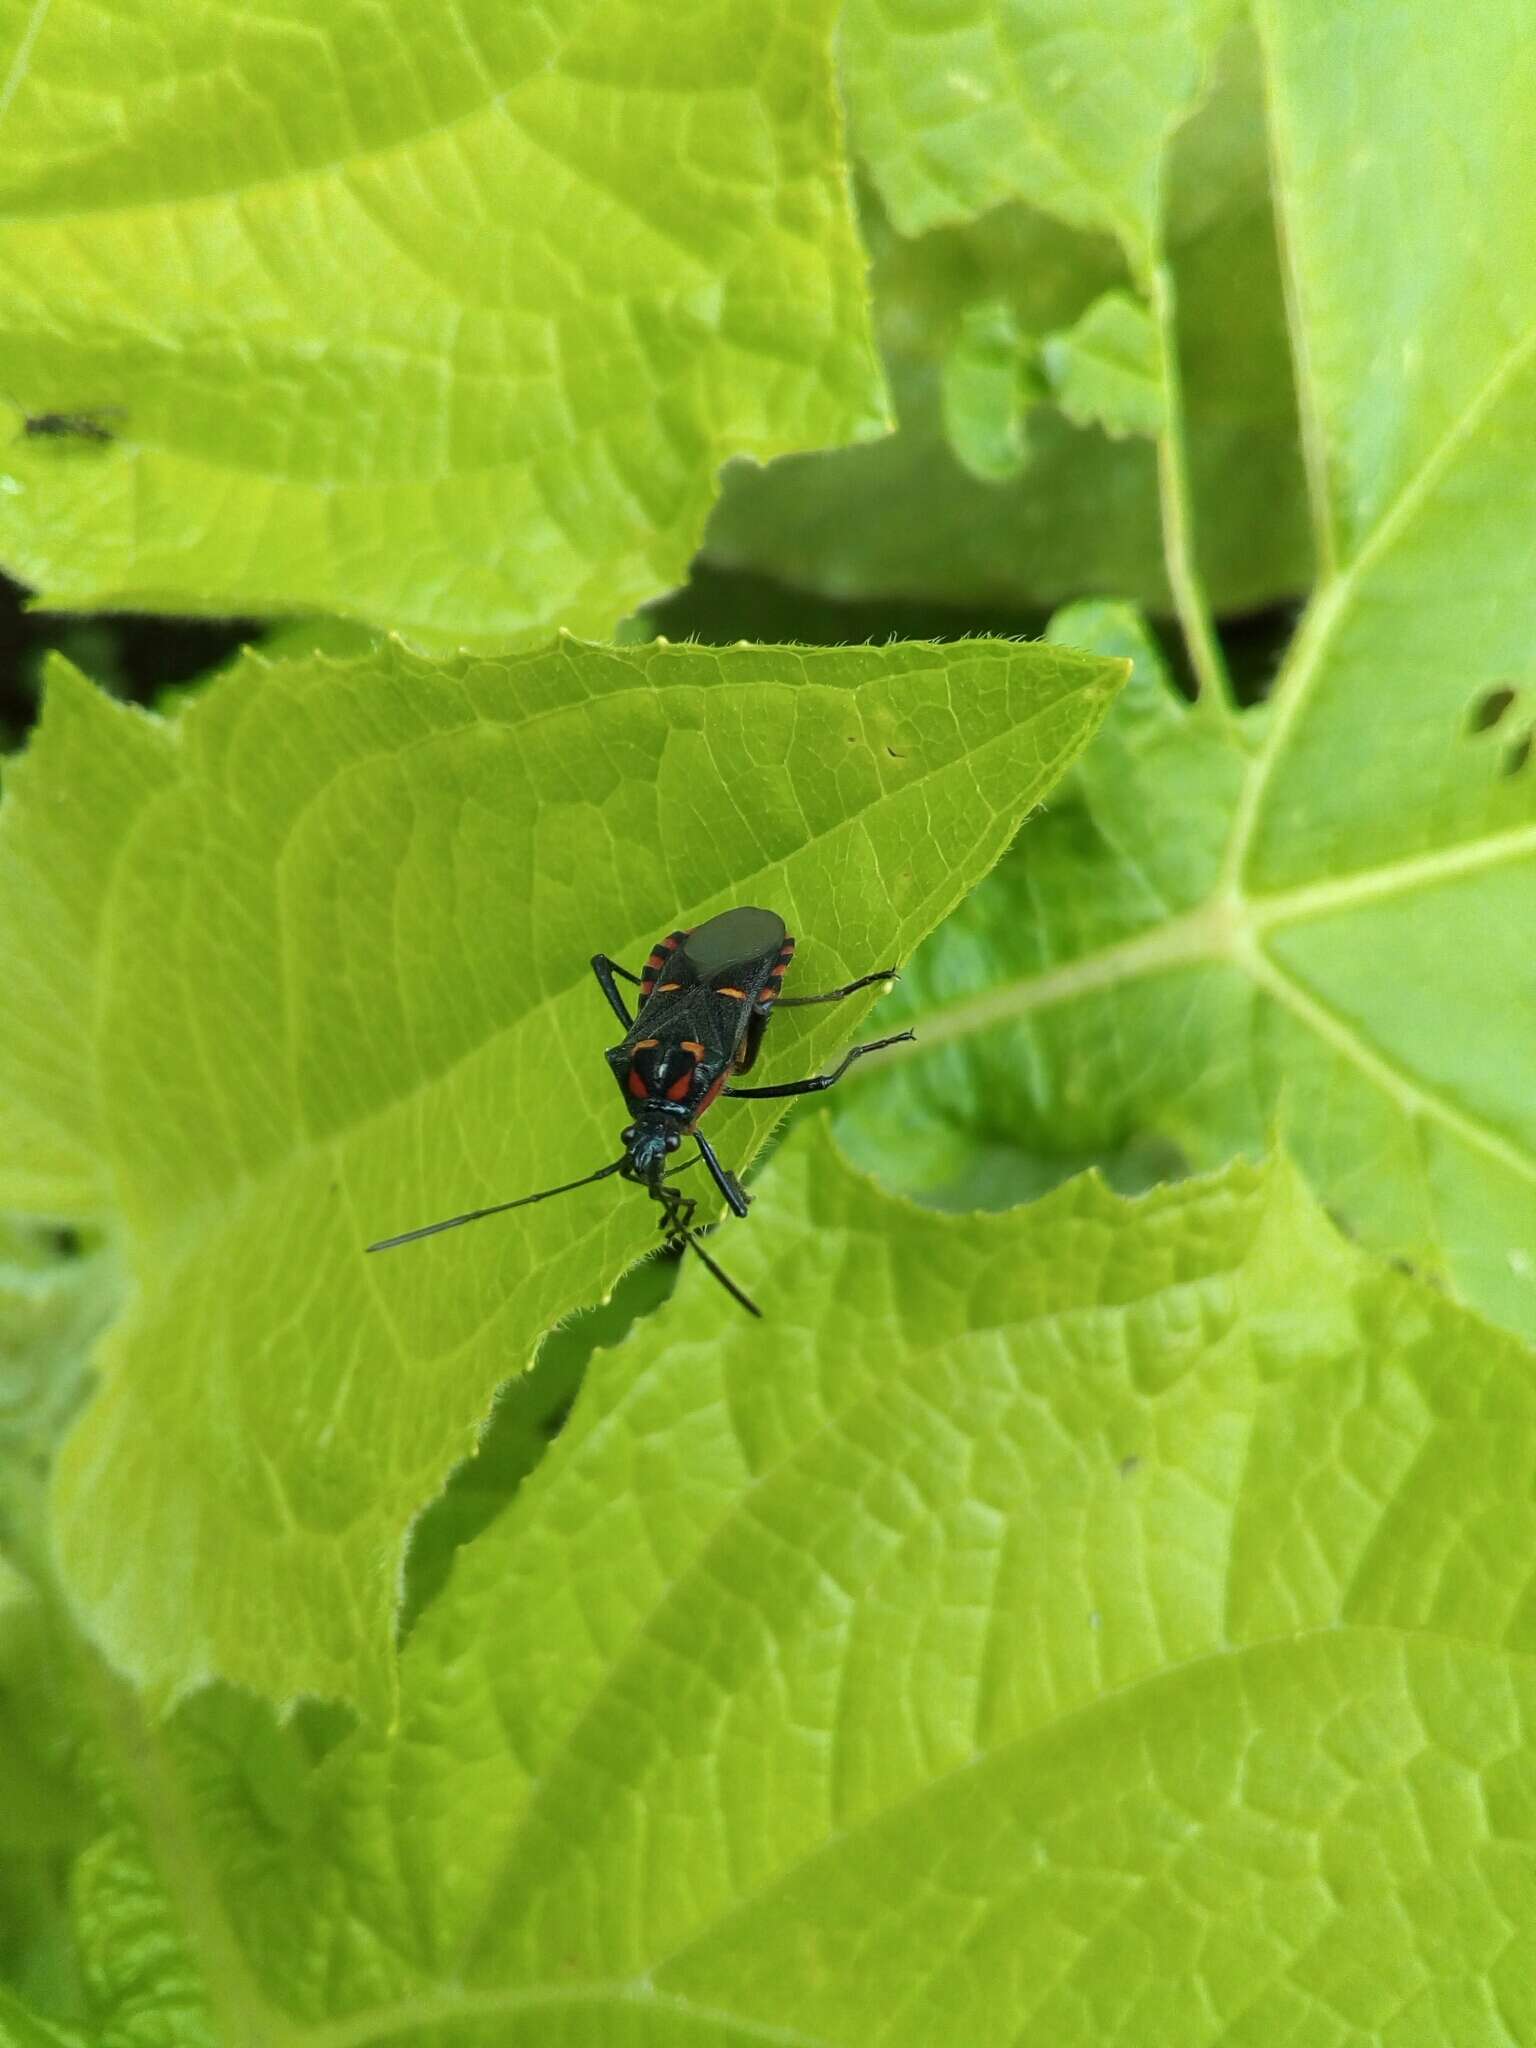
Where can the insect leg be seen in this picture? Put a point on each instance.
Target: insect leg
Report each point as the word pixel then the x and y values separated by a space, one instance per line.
pixel 676 1216
pixel 835 995
pixel 819 1081
pixel 605 969
pixel 726 1181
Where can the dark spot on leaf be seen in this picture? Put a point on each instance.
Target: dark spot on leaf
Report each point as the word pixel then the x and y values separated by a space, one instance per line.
pixel 1517 755
pixel 1129 1465
pixel 86 425
pixel 894 755
pixel 1490 708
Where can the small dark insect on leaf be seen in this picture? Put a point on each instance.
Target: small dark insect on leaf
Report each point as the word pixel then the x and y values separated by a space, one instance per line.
pixel 706 995
pixel 89 424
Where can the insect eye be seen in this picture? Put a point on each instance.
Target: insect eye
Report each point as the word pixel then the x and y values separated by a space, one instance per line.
pixel 627 1137
pixel 673 1141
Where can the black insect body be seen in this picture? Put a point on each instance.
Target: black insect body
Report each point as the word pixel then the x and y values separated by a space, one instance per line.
pixel 71 426
pixel 705 999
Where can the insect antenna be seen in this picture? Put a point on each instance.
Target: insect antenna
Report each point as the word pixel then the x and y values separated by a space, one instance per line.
pixel 670 1200
pixel 497 1209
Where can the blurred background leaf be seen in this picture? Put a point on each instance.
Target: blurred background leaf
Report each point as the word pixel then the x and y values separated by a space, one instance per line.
pixel 904 517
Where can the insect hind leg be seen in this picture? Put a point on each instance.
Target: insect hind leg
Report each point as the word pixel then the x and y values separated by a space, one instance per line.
pixel 819 1081
pixel 835 995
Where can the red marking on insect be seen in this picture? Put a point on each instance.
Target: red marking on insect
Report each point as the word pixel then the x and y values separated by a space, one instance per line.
pixel 665 1103
pixel 713 1090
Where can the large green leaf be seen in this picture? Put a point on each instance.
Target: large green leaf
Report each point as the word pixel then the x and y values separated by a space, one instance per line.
pixel 335 928
pixel 1319 917
pixel 1082 515
pixel 1121 990
pixel 442 323
pixel 1103 1624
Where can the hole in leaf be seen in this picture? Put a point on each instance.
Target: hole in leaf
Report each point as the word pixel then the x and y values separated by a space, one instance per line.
pixel 1518 754
pixel 1490 708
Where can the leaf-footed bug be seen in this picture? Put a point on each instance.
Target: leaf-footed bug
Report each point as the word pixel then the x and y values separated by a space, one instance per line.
pixel 706 996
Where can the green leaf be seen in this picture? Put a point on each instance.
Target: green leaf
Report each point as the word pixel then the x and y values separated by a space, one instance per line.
pixel 1082 516
pixel 45 1815
pixel 960 105
pixel 1318 920
pixel 1081 1627
pixel 54 882
pixel 985 389
pixel 52 1307
pixel 1121 991
pixel 339 986
pixel 20 2028
pixel 446 329
pixel 1106 370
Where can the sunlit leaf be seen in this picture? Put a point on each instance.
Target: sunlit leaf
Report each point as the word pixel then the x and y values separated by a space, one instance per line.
pixel 372 311
pixel 335 926
pixel 1081 1628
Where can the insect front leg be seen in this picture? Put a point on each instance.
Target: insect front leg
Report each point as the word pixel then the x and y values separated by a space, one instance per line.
pixel 605 969
pixel 819 1081
pixel 735 1194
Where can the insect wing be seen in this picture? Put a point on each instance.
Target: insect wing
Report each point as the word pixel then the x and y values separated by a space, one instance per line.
pixel 729 958
pixel 734 950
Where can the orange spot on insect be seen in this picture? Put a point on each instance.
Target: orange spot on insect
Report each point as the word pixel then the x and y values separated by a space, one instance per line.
pixel 667 987
pixel 678 1092
pixel 739 993
pixel 644 1044
pixel 634 1083
pixel 692 1045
